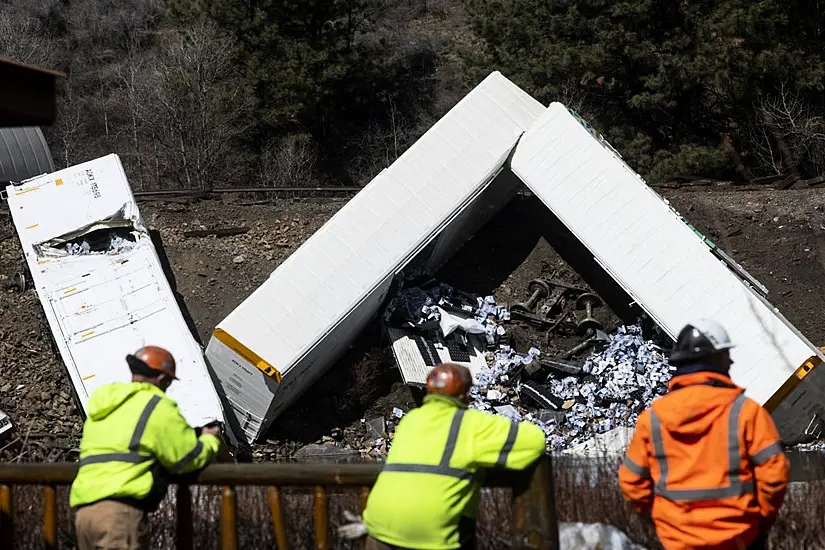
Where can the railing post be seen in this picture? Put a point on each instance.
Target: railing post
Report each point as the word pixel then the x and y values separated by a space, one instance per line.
pixel 535 525
pixel 229 509
pixel 50 517
pixel 278 525
pixel 183 529
pixel 321 519
pixel 6 517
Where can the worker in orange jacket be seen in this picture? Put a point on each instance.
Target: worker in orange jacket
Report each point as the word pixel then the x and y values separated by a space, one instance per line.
pixel 705 462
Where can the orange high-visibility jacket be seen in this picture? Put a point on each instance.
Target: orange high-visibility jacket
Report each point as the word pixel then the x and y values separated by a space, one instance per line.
pixel 706 462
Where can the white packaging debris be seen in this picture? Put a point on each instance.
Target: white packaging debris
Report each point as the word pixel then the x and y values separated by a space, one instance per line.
pixel 621 381
pixel 613 442
pixel 493 395
pixel 109 242
pixel 593 536
pixel 441 306
pixel 509 411
pixel 450 322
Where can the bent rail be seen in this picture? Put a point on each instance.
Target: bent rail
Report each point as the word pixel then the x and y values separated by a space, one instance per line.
pixel 533 510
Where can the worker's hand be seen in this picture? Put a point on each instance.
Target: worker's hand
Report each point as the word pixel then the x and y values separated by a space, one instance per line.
pixel 354 530
pixel 211 430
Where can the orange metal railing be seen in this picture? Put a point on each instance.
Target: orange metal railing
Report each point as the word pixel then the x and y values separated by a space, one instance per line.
pixel 533 510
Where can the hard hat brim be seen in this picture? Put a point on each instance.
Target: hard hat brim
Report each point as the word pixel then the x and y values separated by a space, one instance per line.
pixel 134 360
pixel 689 355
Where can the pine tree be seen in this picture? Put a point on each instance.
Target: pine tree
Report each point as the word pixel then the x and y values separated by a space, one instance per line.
pixel 665 80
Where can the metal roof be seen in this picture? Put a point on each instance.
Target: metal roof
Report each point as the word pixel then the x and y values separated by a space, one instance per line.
pixel 24 154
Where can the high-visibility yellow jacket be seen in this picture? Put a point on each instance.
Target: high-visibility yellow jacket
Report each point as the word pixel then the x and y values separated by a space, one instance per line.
pixel 133 439
pixel 429 486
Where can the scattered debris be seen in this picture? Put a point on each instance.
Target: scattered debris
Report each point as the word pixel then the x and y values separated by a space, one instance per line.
pixel 6 427
pixel 613 442
pixel 618 384
pixel 217 232
pixel 331 451
pixel 593 536
pixel 377 427
pixel 571 402
pixel 593 338
pixel 435 323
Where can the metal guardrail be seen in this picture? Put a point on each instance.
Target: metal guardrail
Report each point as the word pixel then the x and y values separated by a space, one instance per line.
pixel 533 510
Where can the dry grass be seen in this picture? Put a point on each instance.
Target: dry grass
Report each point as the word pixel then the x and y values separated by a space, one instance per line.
pixel 585 491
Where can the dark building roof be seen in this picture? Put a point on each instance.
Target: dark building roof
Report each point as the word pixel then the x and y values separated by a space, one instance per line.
pixel 27 96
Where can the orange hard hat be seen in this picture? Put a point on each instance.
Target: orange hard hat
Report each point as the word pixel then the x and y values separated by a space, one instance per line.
pixel 155 358
pixel 449 379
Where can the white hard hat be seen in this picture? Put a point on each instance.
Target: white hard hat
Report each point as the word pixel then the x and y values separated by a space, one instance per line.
pixel 699 339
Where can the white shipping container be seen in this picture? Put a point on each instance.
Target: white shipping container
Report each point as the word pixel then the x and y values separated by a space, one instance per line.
pixel 276 343
pixel 101 307
pixel 664 265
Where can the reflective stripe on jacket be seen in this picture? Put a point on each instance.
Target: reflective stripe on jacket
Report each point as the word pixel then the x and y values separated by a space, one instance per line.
pixel 430 483
pixel 708 463
pixel 133 439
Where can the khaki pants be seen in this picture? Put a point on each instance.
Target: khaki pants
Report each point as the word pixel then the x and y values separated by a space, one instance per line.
pixel 375 544
pixel 111 525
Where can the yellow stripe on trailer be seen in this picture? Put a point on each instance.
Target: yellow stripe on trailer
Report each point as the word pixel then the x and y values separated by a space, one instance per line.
pixel 792 382
pixel 26 191
pixel 250 356
pixel 87 334
pixel 32 226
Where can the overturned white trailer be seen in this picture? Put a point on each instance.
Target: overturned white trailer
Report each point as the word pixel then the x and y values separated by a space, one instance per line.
pixel 423 207
pixel 666 266
pixel 438 194
pixel 102 306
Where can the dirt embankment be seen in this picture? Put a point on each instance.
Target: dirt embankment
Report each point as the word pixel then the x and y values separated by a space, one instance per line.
pixel 778 236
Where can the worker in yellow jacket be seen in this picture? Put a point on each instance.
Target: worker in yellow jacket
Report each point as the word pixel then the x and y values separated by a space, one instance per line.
pixel 134 438
pixel 427 493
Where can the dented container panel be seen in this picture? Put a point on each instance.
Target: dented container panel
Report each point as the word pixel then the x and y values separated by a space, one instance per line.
pixel 101 307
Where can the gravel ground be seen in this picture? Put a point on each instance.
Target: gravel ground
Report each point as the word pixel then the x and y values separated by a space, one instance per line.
pixel 779 236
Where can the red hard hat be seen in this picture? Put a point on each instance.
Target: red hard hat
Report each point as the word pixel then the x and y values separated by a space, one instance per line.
pixel 156 358
pixel 449 379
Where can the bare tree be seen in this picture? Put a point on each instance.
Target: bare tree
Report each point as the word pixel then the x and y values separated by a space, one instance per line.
pixel 133 101
pixel 68 130
pixel 23 39
pixel 572 96
pixel 382 143
pixel 786 121
pixel 288 162
pixel 203 110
